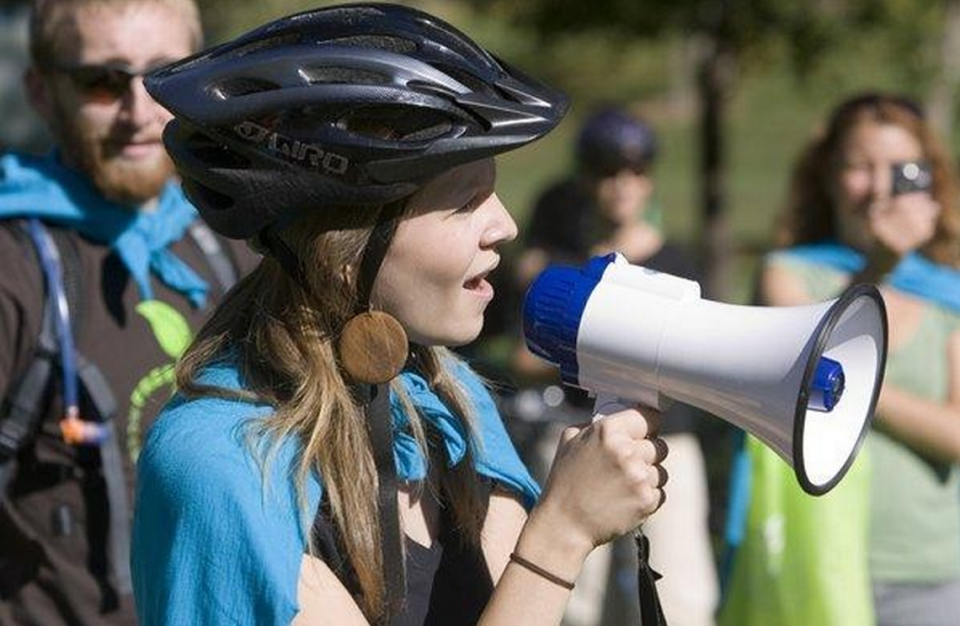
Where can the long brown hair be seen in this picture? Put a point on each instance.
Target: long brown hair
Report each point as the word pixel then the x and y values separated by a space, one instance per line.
pixel 284 336
pixel 810 213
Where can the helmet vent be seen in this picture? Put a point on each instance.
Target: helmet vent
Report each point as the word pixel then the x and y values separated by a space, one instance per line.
pixel 347 75
pixel 432 88
pixel 389 43
pixel 473 83
pixel 402 123
pixel 276 41
pixel 243 86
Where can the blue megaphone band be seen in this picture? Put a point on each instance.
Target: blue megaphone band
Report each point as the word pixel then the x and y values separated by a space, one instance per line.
pixel 553 308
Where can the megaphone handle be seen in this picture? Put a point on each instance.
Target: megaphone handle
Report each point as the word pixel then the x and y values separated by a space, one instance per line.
pixel 607 404
pixel 651 612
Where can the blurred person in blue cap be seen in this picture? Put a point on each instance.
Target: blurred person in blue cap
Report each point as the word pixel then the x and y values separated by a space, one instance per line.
pixel 607 205
pixel 873 198
pixel 106 270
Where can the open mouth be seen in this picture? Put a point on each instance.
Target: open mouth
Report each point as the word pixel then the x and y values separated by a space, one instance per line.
pixel 479 285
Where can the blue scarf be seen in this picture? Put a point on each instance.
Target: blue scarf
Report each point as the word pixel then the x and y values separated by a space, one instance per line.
pixel 914 274
pixel 494 456
pixel 42 187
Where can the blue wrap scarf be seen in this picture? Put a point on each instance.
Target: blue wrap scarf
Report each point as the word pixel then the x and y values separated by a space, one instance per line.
pixel 494 456
pixel 42 187
pixel 914 274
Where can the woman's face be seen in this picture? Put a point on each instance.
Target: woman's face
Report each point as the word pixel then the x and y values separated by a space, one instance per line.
pixel 622 197
pixel 433 279
pixel 865 175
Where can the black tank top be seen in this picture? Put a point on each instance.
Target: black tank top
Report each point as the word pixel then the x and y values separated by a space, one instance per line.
pixel 447 584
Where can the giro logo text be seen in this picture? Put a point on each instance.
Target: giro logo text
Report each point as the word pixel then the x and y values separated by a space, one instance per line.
pixel 293 149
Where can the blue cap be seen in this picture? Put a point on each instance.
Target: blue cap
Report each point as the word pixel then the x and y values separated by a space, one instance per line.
pixel 553 308
pixel 827 385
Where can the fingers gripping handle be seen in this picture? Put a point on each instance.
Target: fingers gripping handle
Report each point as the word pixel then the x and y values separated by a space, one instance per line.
pixel 651 610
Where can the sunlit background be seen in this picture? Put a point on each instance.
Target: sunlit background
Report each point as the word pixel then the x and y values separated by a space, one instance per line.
pixel 733 87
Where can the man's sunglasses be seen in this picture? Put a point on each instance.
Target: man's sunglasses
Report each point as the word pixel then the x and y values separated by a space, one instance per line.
pixel 102 83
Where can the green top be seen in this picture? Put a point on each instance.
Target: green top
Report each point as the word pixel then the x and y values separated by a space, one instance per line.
pixel 915 501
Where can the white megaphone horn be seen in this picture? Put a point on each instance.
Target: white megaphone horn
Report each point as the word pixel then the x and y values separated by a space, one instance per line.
pixel 804 380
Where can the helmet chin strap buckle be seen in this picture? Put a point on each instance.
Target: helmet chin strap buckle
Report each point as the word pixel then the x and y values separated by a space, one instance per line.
pixel 373 348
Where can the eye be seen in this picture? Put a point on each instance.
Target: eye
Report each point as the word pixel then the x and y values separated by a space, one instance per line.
pixel 472 204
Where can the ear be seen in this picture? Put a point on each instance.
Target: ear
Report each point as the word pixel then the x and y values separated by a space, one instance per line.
pixel 38 93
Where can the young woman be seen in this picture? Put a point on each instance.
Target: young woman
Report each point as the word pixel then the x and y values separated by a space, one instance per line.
pixel 874 199
pixel 353 145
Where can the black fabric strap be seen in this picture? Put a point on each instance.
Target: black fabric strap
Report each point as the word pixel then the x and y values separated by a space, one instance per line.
pixel 380 427
pixel 376 251
pixel 283 255
pixel 651 613
pixel 111 463
pixel 25 401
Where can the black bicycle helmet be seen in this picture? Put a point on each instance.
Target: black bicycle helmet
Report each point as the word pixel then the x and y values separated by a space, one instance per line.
pixel 612 139
pixel 292 116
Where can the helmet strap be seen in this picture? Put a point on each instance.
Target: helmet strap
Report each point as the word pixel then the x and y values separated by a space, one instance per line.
pixel 373 346
pixel 270 241
pixel 373 349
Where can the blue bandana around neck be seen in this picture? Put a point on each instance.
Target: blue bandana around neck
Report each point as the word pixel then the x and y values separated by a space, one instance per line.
pixel 494 456
pixel 914 274
pixel 42 187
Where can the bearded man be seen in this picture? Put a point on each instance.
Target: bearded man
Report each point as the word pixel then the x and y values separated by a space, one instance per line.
pixel 105 272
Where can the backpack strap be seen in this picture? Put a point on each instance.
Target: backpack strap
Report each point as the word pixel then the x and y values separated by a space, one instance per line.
pixel 56 351
pixel 25 400
pixel 223 267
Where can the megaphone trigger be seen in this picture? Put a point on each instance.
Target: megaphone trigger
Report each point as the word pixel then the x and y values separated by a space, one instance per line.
pixel 605 405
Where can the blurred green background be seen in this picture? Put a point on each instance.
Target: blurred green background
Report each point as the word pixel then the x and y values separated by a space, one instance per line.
pixel 790 63
pixel 783 65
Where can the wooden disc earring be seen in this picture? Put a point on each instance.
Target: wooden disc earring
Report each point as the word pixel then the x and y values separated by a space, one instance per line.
pixel 373 347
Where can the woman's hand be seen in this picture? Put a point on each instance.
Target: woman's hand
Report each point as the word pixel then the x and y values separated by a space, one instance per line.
pixel 901 224
pixel 606 478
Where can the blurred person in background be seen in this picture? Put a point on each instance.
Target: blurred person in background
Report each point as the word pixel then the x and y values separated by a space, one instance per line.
pixel 873 199
pixel 605 206
pixel 106 269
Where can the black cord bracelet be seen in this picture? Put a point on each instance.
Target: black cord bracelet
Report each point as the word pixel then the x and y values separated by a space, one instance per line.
pixel 536 569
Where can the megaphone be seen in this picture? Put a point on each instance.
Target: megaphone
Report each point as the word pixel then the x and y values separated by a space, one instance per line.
pixel 803 379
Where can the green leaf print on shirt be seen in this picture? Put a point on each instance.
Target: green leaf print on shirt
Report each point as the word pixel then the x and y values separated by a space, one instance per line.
pixel 169 327
pixel 172 333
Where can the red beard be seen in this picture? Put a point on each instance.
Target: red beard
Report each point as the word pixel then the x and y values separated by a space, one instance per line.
pixel 125 181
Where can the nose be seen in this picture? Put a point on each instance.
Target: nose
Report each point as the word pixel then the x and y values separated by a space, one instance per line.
pixel 137 108
pixel 499 226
